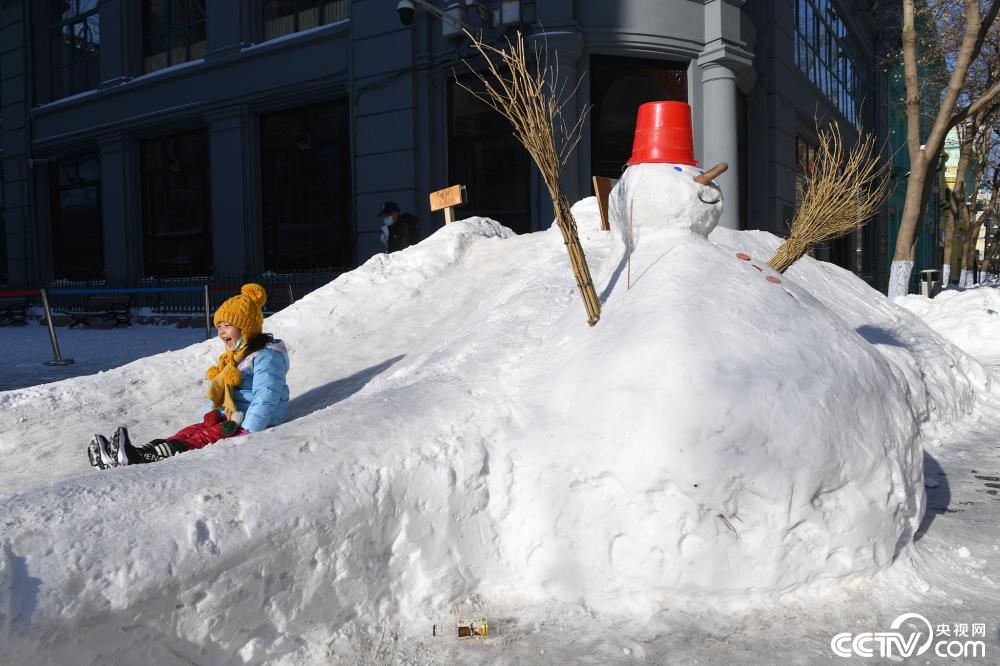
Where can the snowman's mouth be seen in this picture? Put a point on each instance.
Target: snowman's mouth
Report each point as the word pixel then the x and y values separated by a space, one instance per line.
pixel 704 201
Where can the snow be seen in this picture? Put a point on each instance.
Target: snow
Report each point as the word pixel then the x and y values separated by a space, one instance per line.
pixel 25 348
pixel 969 318
pixel 727 468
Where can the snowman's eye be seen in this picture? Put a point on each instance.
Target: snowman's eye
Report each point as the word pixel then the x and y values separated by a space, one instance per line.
pixel 676 168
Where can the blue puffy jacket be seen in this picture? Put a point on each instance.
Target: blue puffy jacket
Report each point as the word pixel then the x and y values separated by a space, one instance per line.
pixel 262 395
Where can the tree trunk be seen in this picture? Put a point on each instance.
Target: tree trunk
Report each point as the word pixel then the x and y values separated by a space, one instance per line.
pixel 969 250
pixel 990 257
pixel 922 156
pixel 917 191
pixel 969 257
pixel 949 237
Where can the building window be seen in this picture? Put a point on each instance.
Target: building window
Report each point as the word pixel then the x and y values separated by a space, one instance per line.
pixel 74 47
pixel 283 17
pixel 827 53
pixel 842 251
pixel 306 189
pixel 618 87
pixel 484 156
pixel 173 31
pixel 176 206
pixel 77 235
pixel 805 163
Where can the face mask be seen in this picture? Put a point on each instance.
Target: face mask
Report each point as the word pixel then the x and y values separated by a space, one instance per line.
pixel 388 221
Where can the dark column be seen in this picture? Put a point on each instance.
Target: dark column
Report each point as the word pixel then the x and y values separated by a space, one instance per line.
pixel 226 24
pixel 726 68
pixel 229 165
pixel 14 144
pixel 383 98
pixel 120 41
pixel 120 212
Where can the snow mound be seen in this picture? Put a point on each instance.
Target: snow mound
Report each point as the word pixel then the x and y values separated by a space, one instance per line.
pixel 457 432
pixel 942 380
pixel 969 318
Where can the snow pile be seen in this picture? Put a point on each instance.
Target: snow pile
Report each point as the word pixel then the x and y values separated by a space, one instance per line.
pixel 941 379
pixel 457 432
pixel 969 318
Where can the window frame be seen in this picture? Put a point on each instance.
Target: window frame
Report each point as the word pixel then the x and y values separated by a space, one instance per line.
pixel 154 210
pixel 63 244
pixel 517 211
pixel 828 55
pixel 805 162
pixel 147 36
pixel 73 85
pixel 343 15
pixel 278 249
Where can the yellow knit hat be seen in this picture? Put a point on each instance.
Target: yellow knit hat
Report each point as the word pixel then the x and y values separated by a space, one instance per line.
pixel 244 311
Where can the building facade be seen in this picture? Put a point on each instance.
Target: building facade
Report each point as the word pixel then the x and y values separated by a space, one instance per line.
pixel 187 138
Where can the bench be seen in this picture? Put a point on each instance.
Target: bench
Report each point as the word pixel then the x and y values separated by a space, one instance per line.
pixel 14 311
pixel 105 306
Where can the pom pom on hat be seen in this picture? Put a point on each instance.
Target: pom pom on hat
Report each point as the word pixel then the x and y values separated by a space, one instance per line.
pixel 255 293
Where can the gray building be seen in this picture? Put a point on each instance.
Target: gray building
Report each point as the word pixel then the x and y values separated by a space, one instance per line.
pixel 184 138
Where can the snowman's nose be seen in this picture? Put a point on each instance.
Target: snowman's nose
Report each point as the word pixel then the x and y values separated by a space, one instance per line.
pixel 712 174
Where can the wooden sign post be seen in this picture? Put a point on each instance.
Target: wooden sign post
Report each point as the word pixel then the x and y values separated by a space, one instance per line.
pixel 447 199
pixel 602 189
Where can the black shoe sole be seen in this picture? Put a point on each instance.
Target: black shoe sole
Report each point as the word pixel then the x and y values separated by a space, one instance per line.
pixel 98 453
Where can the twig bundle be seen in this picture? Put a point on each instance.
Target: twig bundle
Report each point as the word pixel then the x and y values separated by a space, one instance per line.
pixel 842 192
pixel 533 103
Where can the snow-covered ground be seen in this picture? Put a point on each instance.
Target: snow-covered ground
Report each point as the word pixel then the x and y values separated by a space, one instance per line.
pixel 726 469
pixel 970 318
pixel 24 349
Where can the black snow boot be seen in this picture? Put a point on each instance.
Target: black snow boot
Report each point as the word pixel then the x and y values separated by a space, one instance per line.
pixel 98 451
pixel 124 453
pixel 164 448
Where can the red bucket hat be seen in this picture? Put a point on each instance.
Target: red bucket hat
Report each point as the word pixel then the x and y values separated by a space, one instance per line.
pixel 663 134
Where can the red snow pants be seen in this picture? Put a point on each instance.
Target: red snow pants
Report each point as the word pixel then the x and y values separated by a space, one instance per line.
pixel 209 431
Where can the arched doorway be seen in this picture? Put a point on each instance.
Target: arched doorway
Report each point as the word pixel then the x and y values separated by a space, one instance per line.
pixel 618 87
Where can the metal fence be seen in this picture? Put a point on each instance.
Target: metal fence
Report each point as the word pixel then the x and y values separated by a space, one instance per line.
pixel 158 296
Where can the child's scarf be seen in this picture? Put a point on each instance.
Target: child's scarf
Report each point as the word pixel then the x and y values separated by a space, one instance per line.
pixel 224 376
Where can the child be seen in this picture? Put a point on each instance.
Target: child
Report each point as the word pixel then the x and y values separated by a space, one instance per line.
pixel 247 392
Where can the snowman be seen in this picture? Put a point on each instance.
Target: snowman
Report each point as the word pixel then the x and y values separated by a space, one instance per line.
pixel 663 192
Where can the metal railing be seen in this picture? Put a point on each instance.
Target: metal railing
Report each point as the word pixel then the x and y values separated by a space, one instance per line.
pixel 161 296
pixel 182 296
